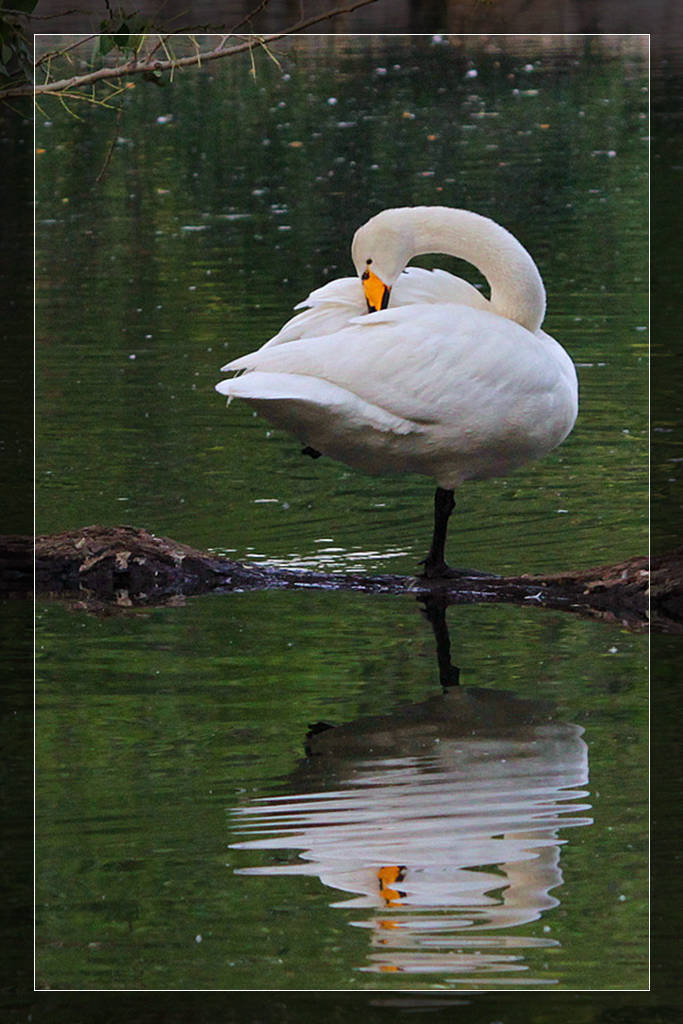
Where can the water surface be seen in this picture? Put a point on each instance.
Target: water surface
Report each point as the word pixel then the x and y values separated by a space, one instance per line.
pixel 492 836
pixel 201 239
pixel 162 735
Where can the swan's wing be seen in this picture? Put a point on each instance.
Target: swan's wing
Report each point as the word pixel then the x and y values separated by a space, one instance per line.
pixel 333 306
pixel 421 363
pixel 434 286
pixel 345 291
pixel 330 308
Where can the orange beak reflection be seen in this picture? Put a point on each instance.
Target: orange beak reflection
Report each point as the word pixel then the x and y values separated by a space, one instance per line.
pixel 387 877
pixel 376 291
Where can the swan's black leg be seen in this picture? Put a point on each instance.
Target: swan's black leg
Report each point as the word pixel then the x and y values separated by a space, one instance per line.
pixel 435 562
pixel 310 451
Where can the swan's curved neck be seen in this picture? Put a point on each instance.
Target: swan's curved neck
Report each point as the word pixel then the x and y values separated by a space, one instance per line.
pixel 517 290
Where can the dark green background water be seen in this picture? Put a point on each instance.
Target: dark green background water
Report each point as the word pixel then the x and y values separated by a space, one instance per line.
pixel 228 198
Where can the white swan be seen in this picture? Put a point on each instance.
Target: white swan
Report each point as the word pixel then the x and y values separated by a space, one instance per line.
pixel 417 372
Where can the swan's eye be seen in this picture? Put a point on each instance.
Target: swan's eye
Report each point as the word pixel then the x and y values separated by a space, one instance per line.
pixel 365 275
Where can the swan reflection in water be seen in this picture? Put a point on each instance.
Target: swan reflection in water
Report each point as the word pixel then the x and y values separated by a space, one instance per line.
pixel 443 819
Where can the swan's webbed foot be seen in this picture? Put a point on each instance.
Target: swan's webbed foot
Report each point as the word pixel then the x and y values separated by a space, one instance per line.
pixel 311 451
pixel 433 570
pixel 441 571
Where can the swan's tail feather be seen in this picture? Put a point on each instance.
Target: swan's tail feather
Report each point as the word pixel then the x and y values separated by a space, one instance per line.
pixel 293 401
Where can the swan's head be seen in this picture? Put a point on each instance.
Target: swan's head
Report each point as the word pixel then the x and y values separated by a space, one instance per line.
pixel 380 250
pixel 382 247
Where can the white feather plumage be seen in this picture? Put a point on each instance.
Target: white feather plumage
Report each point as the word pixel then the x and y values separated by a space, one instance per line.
pixel 443 382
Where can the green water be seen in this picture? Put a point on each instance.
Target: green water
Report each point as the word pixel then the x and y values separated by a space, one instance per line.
pixel 227 199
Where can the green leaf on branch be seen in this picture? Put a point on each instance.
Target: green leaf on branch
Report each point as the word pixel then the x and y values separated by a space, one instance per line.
pixel 154 76
pixel 121 38
pixel 103 45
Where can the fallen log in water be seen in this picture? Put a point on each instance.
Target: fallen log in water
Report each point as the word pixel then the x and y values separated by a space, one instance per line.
pixel 128 566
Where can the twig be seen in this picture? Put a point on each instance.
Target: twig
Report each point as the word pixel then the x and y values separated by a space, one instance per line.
pixel 133 67
pixel 169 58
pixel 45 17
pixel 60 53
pixel 248 17
pixel 107 159
pixel 160 42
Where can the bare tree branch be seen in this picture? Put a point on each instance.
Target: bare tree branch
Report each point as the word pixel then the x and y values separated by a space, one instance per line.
pixel 134 66
pixel 107 159
pixel 47 17
pixel 252 14
pixel 59 53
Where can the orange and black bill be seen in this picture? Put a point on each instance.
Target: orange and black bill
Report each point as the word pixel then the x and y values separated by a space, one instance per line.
pixel 376 291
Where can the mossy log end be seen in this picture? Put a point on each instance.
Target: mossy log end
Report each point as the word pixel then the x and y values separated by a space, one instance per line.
pixel 123 565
